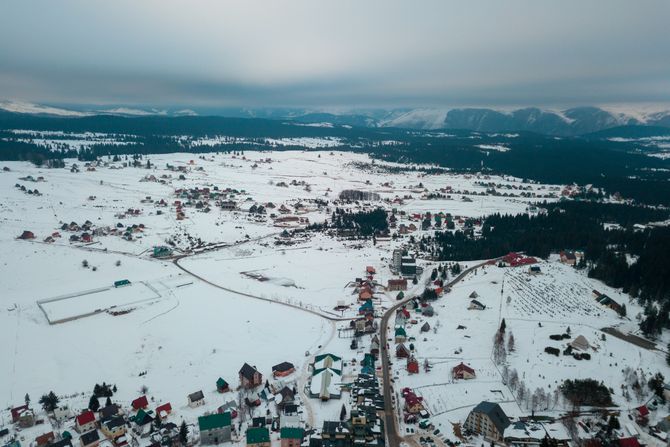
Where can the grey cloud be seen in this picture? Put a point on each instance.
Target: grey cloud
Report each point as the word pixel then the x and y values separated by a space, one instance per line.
pixel 335 53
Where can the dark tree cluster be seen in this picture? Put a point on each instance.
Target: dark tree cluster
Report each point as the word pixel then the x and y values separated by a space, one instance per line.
pixel 586 392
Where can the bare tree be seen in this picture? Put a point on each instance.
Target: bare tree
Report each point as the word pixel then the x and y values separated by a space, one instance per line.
pixel 510 342
pixel 513 379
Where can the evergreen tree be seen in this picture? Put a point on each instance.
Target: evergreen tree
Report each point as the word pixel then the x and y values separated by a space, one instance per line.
pixel 93 403
pixel 183 433
pixel 49 401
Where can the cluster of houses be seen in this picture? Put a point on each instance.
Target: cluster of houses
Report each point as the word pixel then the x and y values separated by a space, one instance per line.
pixel 86 232
pixel 201 198
pixel 363 426
pixel 148 424
pixel 32 192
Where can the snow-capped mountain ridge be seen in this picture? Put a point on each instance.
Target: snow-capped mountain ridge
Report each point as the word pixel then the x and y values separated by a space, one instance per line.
pixel 565 122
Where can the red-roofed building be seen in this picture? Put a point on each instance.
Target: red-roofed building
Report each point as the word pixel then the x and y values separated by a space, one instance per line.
pixel 413 403
pixel 45 439
pixel 396 284
pixel 164 410
pixel 462 371
pixel 642 415
pixel 85 421
pixel 412 365
pixel 370 270
pixel 628 442
pixel 140 403
pixel 16 412
pixel 517 259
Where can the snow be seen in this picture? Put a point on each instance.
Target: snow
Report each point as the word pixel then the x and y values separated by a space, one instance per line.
pixel 30 108
pixel 250 298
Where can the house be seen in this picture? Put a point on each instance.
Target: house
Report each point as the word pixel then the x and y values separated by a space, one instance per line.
pixel 534 270
pixel 114 428
pixel 284 396
pixel 628 442
pixel 364 293
pixel 90 439
pixel 142 423
pixel 291 436
pixel 196 399
pixel 283 369
pixel 535 433
pixel 335 434
pixel 253 399
pixel 109 411
pixel 62 413
pixel 65 442
pixel 215 428
pixel 370 270
pixel 23 415
pixel 222 386
pixel 462 371
pixel 366 308
pixel 412 365
pixel 401 317
pixel 413 403
pixel 568 257
pixel 27 235
pixel 408 265
pixel 401 351
pixel 474 295
pixel 580 343
pixel 425 327
pixel 258 437
pixel 400 335
pixel 163 411
pixel 374 346
pixel 141 402
pixel 427 310
pixel 489 420
pixel 85 422
pixel 642 413
pixel 476 305
pixel 46 438
pixel 396 284
pixel 249 376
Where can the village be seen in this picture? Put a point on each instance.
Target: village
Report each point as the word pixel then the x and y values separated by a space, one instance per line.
pixel 212 296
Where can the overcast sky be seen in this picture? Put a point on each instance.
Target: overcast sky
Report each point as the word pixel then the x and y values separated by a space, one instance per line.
pixel 339 53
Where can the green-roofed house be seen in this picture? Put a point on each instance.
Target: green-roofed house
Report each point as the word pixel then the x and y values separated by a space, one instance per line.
pixel 328 361
pixel 258 437
pixel 215 428
pixel 400 335
pixel 291 436
pixel 222 386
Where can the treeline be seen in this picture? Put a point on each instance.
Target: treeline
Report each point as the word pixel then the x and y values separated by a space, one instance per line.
pixel 577 225
pixel 613 166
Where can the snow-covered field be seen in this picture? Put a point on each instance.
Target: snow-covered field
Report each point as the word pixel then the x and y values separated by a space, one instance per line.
pixel 241 294
pixel 534 307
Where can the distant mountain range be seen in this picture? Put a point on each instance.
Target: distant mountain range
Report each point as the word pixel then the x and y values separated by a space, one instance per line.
pixel 569 122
